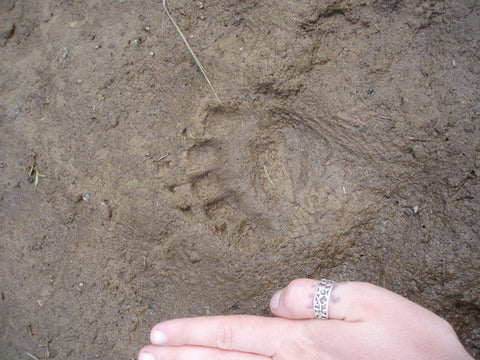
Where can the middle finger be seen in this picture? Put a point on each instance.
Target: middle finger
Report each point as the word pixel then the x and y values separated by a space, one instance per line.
pixel 194 352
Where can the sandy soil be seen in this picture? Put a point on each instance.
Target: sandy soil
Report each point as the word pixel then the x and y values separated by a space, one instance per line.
pixel 346 146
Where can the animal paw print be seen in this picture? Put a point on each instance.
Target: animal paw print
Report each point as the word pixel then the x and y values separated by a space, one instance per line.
pixel 202 189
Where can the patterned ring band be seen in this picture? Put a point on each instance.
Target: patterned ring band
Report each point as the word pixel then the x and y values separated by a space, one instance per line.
pixel 321 298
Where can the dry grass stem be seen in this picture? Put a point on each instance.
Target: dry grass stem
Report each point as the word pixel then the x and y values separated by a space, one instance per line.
pixel 268 176
pixel 31 355
pixel 200 66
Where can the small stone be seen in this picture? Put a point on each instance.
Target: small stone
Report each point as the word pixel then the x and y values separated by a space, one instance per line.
pixel 106 211
pixel 47 17
pixel 195 257
pixel 15 113
pixel 152 53
pixel 6 32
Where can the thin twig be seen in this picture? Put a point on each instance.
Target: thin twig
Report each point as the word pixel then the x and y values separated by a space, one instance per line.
pixel 200 66
pixel 161 157
pixel 416 139
pixel 32 356
pixel 387 118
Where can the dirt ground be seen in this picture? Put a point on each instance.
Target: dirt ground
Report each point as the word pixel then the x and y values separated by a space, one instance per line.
pixel 346 146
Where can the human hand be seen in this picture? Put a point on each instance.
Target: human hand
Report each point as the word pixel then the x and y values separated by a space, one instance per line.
pixel 365 322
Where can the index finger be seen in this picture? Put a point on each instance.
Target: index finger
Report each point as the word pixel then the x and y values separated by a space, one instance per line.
pixel 244 333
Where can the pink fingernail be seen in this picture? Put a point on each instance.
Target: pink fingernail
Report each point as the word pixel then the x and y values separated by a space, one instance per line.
pixel 275 300
pixel 158 338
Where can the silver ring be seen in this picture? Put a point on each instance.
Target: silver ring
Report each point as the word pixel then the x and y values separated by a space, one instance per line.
pixel 321 298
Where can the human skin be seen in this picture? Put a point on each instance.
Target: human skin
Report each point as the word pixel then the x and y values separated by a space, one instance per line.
pixel 365 322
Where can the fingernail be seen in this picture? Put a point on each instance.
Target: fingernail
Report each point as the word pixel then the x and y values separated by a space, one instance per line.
pixel 158 338
pixel 146 356
pixel 275 300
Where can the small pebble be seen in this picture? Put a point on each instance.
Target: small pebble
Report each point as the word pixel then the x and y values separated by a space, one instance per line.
pixel 47 17
pixel 15 113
